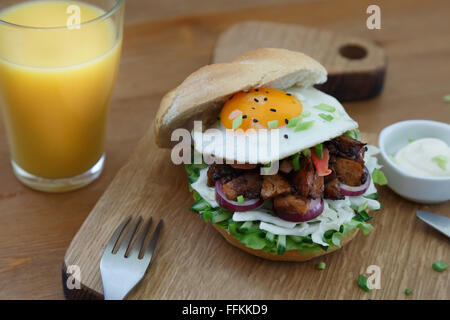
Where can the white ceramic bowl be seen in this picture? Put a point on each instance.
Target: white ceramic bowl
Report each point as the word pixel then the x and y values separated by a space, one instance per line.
pixel 410 186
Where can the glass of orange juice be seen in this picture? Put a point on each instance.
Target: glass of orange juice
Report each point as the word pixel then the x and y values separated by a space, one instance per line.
pixel 58 65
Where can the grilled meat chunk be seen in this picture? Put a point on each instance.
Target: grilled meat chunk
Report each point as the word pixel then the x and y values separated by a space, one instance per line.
pixel 274 185
pixel 306 181
pixel 244 166
pixel 286 166
pixel 220 171
pixel 248 185
pixel 344 146
pixel 332 190
pixel 350 172
pixel 290 204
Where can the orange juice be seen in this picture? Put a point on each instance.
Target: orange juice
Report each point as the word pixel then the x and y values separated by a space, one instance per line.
pixel 55 86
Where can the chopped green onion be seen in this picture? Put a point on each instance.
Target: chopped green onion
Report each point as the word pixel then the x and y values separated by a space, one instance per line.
pixel 410 140
pixel 362 283
pixel 237 122
pixel 354 134
pixel 240 199
pixel 441 161
pixel 296 162
pixel 439 266
pixel 321 266
pixel 446 98
pixel 378 177
pixel 293 122
pixel 304 125
pixel 307 152
pixel 272 124
pixel 319 150
pixel 268 165
pixel 306 113
pixel 408 292
pixel 326 117
pixel 325 107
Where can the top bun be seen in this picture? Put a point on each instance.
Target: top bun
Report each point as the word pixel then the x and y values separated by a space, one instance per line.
pixel 204 92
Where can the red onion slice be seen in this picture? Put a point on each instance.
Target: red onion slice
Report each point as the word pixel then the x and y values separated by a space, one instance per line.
pixel 235 206
pixel 315 208
pixel 347 190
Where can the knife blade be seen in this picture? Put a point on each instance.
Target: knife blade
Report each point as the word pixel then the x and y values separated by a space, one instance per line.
pixel 440 223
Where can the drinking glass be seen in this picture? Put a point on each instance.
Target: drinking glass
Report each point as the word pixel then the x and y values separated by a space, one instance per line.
pixel 58 65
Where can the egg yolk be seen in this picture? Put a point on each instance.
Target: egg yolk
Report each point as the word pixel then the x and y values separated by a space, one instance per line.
pixel 260 106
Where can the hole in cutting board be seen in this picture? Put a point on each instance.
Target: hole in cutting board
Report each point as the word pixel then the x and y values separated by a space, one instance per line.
pixel 353 51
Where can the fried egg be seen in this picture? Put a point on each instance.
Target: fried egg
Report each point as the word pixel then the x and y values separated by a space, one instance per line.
pixel 264 125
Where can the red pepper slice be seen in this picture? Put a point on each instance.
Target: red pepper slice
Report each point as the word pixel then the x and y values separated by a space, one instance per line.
pixel 321 164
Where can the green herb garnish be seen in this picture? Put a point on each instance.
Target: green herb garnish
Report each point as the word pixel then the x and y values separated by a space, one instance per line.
pixel 325 107
pixel 362 283
pixel 326 117
pixel 439 266
pixel 410 140
pixel 319 151
pixel 272 124
pixel 296 162
pixel 354 134
pixel 378 177
pixel 408 292
pixel 306 113
pixel 240 199
pixel 441 161
pixel 304 126
pixel 321 266
pixel 446 98
pixel 293 122
pixel 237 122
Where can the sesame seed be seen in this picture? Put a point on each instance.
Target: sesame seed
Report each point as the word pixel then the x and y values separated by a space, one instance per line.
pixel 244 116
pixel 273 110
pixel 286 136
pixel 265 99
pixel 256 90
pixel 253 108
pixel 286 121
pixel 288 94
pixel 256 100
pixel 231 97
pixel 255 120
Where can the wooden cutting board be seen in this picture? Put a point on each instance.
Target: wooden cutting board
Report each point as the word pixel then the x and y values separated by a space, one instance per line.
pixel 194 262
pixel 356 66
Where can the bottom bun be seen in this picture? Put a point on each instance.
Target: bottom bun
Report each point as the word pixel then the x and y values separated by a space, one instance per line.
pixel 291 255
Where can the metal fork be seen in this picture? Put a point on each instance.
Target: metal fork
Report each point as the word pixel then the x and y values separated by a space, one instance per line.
pixel 120 271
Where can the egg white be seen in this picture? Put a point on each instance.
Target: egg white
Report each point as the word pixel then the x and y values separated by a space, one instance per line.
pixel 253 147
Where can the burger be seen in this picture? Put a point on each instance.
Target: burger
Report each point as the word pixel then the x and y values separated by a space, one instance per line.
pixel 311 188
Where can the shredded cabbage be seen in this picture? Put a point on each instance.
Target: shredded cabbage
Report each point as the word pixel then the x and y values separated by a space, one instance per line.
pixel 338 218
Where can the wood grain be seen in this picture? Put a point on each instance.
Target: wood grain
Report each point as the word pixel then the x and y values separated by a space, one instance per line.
pixel 159 53
pixel 356 66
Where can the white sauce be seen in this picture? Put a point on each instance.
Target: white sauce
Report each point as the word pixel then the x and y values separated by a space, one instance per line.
pixel 426 157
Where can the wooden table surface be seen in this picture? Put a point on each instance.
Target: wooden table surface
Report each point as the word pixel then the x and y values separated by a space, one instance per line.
pixel 36 228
